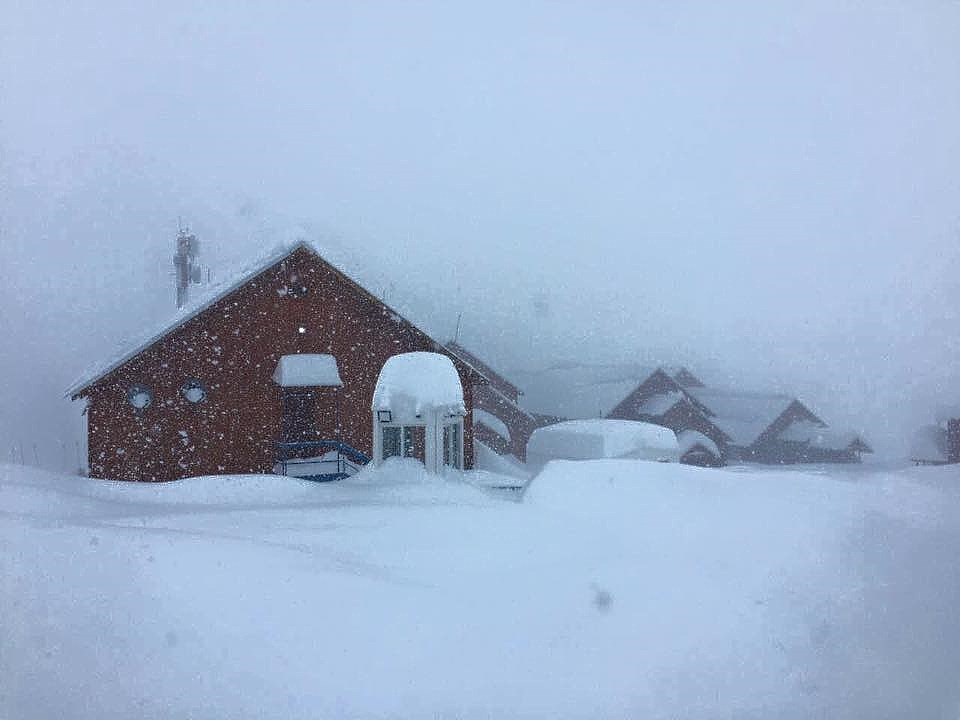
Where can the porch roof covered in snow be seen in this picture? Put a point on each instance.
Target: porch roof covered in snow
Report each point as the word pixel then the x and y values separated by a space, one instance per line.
pixel 413 383
pixel 307 370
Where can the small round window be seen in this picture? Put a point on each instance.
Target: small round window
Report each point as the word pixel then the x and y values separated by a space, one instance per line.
pixel 193 391
pixel 140 396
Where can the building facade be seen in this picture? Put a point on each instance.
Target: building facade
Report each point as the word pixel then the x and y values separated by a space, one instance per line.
pixel 200 397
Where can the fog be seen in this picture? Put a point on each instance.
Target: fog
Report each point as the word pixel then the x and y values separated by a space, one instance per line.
pixel 766 192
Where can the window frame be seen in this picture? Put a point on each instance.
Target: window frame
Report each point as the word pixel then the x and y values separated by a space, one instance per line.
pixel 136 389
pixel 191 383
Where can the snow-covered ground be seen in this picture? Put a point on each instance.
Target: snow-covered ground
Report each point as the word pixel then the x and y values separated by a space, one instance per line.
pixel 617 588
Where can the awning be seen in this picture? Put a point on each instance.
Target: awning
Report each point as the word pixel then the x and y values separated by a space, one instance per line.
pixel 307 371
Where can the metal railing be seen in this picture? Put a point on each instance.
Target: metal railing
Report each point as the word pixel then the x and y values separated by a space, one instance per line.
pixel 348 459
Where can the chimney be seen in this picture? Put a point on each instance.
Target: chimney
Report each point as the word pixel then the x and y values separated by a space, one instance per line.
pixel 185 265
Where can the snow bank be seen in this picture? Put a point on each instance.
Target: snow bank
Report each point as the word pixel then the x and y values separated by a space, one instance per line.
pixel 307 370
pixel 688 439
pixel 489 460
pixel 411 383
pixel 595 439
pixel 618 589
pixel 492 422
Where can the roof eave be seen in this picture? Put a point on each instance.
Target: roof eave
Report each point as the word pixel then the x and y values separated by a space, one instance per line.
pixel 280 255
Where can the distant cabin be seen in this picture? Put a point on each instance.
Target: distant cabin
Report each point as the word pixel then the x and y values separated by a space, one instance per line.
pixel 274 369
pixel 716 425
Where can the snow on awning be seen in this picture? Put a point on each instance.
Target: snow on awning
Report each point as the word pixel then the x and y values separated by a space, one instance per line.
pixel 307 371
pixel 412 383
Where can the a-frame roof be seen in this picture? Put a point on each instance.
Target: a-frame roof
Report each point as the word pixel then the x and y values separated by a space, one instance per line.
pixel 214 294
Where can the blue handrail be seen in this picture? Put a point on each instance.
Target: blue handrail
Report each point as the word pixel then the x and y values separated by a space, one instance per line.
pixel 351 452
pixel 347 456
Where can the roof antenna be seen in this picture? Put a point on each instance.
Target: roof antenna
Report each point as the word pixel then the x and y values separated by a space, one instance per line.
pixel 456 335
pixel 186 267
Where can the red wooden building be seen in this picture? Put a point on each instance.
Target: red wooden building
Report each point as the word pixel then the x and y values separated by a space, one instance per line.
pixel 204 394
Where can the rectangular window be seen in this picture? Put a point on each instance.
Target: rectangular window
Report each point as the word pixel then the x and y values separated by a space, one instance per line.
pixel 451 445
pixel 405 441
pixel 391 442
pixel 415 442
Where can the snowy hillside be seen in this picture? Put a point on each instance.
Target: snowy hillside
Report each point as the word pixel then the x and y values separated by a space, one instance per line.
pixel 617 588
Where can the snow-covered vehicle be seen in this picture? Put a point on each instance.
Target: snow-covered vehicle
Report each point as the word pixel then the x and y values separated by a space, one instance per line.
pixel 601 438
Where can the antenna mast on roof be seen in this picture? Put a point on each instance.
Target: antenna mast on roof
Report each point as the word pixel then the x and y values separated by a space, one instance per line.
pixel 456 334
pixel 186 267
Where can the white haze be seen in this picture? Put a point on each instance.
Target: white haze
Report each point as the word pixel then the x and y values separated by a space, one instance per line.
pixel 765 191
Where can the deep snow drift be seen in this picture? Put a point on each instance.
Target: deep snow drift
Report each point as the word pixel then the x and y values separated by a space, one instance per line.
pixel 617 588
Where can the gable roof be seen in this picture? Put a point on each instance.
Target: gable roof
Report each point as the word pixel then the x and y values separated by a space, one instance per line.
pixel 821 436
pixel 578 391
pixel 204 301
pixel 742 416
pixel 659 404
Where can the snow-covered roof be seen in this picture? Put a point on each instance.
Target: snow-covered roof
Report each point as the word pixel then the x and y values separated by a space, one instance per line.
pixel 581 390
pixel 200 302
pixel 820 436
pixel 929 445
pixel 948 412
pixel 657 405
pixel 688 439
pixel 411 383
pixel 307 370
pixel 601 438
pixel 742 416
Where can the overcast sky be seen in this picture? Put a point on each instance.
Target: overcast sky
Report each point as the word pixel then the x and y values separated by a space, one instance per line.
pixel 769 192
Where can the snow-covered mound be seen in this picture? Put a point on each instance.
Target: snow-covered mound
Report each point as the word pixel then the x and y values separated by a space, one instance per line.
pixel 687 440
pixel 597 439
pixel 491 461
pixel 492 422
pixel 617 588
